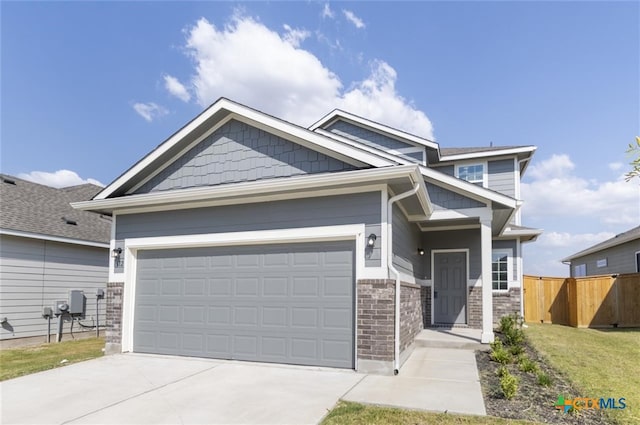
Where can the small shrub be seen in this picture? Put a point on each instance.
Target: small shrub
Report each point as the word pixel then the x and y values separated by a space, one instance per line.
pixel 544 379
pixel 509 385
pixel 495 345
pixel 516 350
pixel 511 329
pixel 502 371
pixel 527 365
pixel 501 356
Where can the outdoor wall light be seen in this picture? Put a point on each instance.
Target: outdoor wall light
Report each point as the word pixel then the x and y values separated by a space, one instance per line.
pixel 116 252
pixel 371 240
pixel 420 251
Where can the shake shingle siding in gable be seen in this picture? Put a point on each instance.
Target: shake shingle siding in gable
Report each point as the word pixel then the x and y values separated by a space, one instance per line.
pixel 238 152
pixel 443 199
pixel 502 177
pixel 373 139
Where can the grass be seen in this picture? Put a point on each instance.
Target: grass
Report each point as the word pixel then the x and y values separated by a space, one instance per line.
pixel 23 361
pixel 601 363
pixel 348 413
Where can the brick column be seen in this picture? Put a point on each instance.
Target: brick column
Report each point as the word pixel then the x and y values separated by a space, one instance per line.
pixel 115 292
pixel 375 316
pixel 505 303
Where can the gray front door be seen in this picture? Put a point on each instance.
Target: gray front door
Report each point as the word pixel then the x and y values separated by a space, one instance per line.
pixel 449 287
pixel 286 303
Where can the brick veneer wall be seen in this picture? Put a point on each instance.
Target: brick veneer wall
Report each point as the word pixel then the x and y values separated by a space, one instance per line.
pixel 115 292
pixel 375 319
pixel 411 321
pixel 505 303
pixel 474 307
pixel 425 295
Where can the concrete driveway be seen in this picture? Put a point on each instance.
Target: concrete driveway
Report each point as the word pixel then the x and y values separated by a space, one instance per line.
pixel 145 389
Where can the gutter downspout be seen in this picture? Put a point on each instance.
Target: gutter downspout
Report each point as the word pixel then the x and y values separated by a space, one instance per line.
pixel 396 335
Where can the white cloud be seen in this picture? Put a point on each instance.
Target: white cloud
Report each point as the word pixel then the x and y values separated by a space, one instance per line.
pixel 149 111
pixel 327 12
pixel 60 178
pixel 575 242
pixel 556 191
pixel 351 17
pixel 295 36
pixel 176 88
pixel 615 166
pixel 248 62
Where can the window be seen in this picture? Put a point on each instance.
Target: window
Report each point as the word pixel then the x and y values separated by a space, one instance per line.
pixel 601 263
pixel 473 173
pixel 638 262
pixel 500 269
pixel 580 270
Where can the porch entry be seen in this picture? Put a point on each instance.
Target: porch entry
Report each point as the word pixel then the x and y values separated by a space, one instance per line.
pixel 450 288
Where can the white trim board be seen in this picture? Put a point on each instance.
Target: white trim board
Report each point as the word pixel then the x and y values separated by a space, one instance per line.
pixel 355 232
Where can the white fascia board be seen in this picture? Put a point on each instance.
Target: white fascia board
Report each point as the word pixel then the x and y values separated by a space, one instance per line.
pixel 377 127
pixel 346 140
pixel 282 128
pixel 481 213
pixel 52 238
pixel 521 232
pixel 468 189
pixel 485 154
pixel 246 189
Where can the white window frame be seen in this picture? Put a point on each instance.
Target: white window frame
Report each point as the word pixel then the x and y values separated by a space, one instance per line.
pixel 637 258
pixel 485 176
pixel 509 253
pixel 582 267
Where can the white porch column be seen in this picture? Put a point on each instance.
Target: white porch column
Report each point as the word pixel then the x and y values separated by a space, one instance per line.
pixel 487 285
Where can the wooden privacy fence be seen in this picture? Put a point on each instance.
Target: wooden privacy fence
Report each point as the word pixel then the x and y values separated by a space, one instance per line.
pixel 593 301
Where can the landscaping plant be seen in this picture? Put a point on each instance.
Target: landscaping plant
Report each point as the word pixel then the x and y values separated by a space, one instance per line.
pixel 509 385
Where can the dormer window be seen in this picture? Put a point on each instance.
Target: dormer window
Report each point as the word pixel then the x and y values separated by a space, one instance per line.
pixel 473 173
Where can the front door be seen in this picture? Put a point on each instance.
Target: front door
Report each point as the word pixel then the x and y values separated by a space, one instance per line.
pixel 449 288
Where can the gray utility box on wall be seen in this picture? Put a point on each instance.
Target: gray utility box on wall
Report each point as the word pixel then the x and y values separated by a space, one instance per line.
pixel 76 302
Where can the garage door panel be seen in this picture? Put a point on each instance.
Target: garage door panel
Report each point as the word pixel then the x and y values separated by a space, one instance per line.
pixel 282 303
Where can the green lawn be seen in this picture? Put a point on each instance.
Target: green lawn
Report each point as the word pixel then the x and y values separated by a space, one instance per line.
pixel 16 362
pixel 348 413
pixel 601 363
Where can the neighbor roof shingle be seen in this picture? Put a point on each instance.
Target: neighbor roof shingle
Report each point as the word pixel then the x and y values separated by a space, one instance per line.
pixel 35 208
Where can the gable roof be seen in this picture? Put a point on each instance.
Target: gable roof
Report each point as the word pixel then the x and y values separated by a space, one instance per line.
pixel 42 212
pixel 338 114
pixel 619 239
pixel 220 113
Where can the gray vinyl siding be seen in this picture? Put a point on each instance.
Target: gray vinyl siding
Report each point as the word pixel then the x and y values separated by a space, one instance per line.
pixel 455 239
pixel 373 139
pixel 35 273
pixel 238 152
pixel 353 208
pixel 443 199
pixel 512 245
pixel 620 259
pixel 501 177
pixel 406 241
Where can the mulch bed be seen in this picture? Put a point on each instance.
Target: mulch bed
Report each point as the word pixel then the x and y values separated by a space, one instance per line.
pixel 532 402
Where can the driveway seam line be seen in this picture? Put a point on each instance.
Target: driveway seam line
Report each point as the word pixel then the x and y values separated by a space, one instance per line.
pixel 138 395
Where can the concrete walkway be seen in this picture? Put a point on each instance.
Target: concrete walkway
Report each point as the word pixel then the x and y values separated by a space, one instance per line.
pixel 435 379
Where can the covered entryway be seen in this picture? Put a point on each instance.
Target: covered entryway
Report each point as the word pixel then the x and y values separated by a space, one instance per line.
pixel 284 303
pixel 449 287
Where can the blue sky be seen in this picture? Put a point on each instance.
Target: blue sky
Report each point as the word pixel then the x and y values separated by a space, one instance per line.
pixel 92 87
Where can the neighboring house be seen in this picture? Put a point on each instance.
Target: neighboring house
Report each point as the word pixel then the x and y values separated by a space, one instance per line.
pixel 620 254
pixel 243 236
pixel 47 249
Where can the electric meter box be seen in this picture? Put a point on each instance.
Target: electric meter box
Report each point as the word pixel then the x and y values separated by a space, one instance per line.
pixel 76 302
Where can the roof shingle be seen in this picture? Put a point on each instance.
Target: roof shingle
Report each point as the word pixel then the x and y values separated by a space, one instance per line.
pixel 35 208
